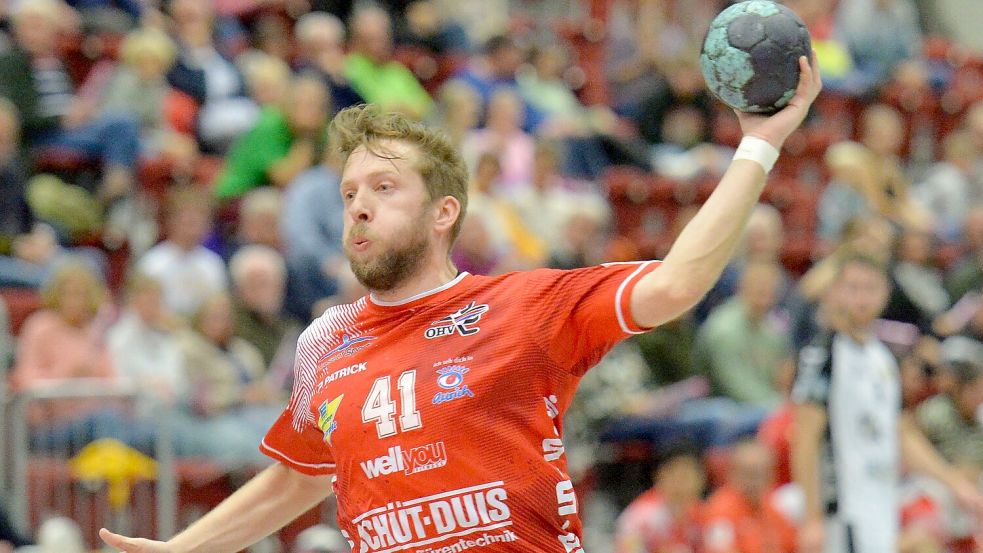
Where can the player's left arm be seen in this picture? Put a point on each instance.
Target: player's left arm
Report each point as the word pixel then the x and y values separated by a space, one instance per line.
pixel 701 252
pixel 919 454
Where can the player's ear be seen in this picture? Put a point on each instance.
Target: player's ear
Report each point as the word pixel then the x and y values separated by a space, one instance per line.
pixel 446 210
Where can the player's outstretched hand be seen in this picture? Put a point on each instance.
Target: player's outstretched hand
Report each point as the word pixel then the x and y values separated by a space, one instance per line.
pixel 133 545
pixel 775 128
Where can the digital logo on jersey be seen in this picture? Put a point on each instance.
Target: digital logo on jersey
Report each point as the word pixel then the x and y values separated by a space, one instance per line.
pixel 409 461
pixel 349 346
pixel 451 378
pixel 423 524
pixel 462 321
pixel 326 417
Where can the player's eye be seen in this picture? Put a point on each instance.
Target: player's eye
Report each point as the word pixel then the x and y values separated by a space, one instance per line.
pixel 348 196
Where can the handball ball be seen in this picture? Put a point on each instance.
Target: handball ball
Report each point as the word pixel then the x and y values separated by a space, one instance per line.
pixel 750 58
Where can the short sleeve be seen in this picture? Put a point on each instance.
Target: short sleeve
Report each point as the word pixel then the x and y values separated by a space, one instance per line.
pixel 813 377
pixel 294 440
pixel 581 314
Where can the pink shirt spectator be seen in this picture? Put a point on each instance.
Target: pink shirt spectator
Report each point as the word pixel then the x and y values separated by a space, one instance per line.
pixel 50 349
pixel 515 154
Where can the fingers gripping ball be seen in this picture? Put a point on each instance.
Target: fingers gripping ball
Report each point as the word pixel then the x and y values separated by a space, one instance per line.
pixel 750 57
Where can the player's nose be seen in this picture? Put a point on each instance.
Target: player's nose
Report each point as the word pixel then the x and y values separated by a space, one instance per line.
pixel 360 208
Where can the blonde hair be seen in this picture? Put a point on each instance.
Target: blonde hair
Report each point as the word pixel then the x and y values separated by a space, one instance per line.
pixel 260 69
pixel 148 42
pixel 437 161
pixel 95 289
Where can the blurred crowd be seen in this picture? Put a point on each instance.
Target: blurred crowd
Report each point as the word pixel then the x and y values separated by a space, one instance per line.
pixel 169 217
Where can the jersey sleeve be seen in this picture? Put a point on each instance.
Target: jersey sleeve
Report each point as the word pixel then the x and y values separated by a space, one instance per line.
pixel 294 438
pixel 814 372
pixel 581 314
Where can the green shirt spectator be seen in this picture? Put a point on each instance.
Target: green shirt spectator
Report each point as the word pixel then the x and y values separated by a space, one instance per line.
pixel 740 346
pixel 389 84
pixel 374 74
pixel 284 142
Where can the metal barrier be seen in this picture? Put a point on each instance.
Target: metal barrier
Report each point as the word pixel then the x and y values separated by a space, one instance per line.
pixel 45 481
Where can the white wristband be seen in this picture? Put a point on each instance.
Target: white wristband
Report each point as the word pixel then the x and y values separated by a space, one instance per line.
pixel 757 150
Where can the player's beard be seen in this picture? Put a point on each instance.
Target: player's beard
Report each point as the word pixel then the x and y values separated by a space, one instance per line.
pixel 400 261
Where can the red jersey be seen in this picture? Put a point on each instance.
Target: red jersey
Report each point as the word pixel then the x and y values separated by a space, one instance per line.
pixel 648 526
pixel 440 416
pixel 733 524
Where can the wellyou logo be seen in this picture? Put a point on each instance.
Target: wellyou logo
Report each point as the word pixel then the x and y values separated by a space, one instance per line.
pixel 408 461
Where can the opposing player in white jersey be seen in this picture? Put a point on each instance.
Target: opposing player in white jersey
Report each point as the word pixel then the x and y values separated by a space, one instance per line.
pixel 850 434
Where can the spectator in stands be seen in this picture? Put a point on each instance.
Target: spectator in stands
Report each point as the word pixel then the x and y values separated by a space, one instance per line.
pixel 835 62
pixel 918 293
pixel 475 251
pixel 267 78
pixel 458 110
pixel 668 350
pixel 208 77
pixel 667 517
pixel 951 420
pixel 546 205
pixel 966 274
pixel 260 213
pixel 504 136
pixel 586 240
pixel 232 403
pixel 742 347
pixel 311 226
pixel 321 42
pixel 592 135
pixel 509 235
pixel 287 140
pixel 864 183
pixel 372 71
pixel 15 217
pixel 139 86
pixel 497 68
pixel 428 28
pixel 682 91
pixel 188 271
pixel 143 344
pixel 743 516
pixel 34 78
pixel 72 300
pixel 881 35
pixel 763 239
pixel 948 190
pixel 259 280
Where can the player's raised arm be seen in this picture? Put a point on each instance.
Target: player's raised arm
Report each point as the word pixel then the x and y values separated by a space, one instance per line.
pixel 701 252
pixel 265 504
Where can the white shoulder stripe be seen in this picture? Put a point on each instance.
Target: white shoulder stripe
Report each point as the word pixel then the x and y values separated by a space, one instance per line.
pixel 285 457
pixel 321 335
pixel 621 290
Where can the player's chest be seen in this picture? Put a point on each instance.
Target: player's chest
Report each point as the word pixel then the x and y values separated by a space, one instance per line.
pixel 411 379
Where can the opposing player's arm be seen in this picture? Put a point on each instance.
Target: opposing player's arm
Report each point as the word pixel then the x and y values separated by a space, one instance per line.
pixel 265 504
pixel 810 424
pixel 707 243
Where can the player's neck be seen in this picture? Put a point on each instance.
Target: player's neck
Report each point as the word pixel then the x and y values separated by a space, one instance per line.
pixel 432 275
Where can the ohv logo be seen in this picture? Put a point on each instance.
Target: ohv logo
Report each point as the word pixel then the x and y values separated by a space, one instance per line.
pixel 462 321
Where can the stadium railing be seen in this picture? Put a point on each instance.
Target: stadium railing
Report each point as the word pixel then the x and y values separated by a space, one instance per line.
pixel 58 469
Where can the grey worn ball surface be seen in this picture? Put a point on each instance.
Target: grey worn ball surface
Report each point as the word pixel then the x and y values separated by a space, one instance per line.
pixel 750 58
